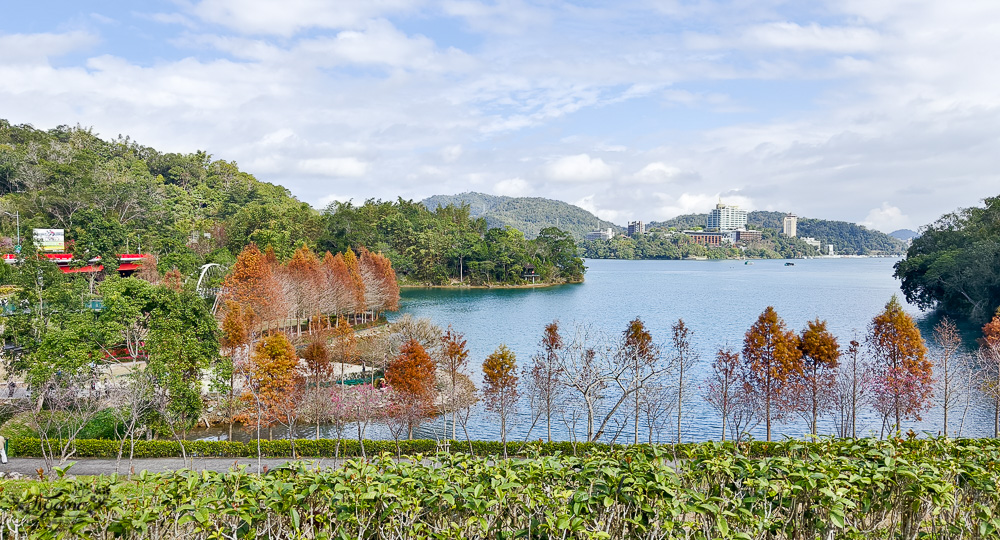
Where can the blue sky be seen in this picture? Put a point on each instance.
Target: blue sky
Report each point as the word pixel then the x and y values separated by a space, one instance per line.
pixel 882 112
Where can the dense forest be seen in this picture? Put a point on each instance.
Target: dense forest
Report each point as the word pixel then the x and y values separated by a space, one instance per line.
pixel 955 263
pixel 527 214
pixel 117 196
pixel 450 245
pixel 664 244
pixel 847 238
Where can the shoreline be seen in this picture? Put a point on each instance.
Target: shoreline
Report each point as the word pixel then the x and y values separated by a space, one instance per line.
pixel 497 286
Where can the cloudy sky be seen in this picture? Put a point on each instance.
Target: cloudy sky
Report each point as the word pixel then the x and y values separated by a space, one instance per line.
pixel 883 112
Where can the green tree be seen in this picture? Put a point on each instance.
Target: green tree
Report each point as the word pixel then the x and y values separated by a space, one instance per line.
pixel 183 340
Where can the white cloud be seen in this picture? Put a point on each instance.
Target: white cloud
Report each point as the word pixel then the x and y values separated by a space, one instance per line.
pixel 288 17
pixel 893 100
pixel 578 168
pixel 657 172
pixel 886 218
pixel 38 48
pixel 325 200
pixel 695 203
pixel 588 203
pixel 344 167
pixel 451 153
pixel 512 187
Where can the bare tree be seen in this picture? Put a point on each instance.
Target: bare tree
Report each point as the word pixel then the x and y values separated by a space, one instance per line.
pixel 685 357
pixel 656 402
pixel 60 411
pixel 851 390
pixel 453 360
pixel 131 403
pixel 989 361
pixel 543 378
pixel 952 367
pixel 724 386
pixel 593 365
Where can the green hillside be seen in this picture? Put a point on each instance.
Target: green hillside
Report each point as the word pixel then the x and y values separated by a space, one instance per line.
pixel 111 196
pixel 526 214
pixel 847 238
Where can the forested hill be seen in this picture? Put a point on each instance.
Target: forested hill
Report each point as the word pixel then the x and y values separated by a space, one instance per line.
pixel 526 214
pixel 114 195
pixel 954 264
pixel 847 238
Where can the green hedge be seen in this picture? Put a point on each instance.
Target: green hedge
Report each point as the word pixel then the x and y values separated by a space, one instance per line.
pixel 322 448
pixel 328 448
pixel 862 489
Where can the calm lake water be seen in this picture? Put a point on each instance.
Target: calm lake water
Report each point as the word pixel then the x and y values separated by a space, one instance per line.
pixel 718 300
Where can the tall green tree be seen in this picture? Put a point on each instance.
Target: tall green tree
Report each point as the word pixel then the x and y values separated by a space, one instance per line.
pixel 183 340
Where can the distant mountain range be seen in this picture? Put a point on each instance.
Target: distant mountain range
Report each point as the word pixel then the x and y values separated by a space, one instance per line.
pixel 526 214
pixel 532 214
pixel 847 238
pixel 904 234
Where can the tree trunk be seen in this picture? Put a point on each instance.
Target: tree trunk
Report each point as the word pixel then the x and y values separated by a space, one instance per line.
pixel 680 397
pixel 636 430
pixel 767 415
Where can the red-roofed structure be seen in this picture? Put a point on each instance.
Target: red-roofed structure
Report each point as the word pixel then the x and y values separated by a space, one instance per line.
pixel 130 262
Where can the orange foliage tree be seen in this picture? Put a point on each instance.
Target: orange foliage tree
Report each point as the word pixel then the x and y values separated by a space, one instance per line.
pixel 772 357
pixel 454 357
pixel 345 345
pixel 310 290
pixel 357 282
pixel 500 387
pixel 274 390
pixel 989 359
pixel 235 342
pixel 318 406
pixel 814 384
pixel 338 293
pixel 902 381
pixel 305 283
pixel 252 284
pixel 411 376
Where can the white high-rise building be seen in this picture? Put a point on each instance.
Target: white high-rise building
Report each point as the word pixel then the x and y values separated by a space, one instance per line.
pixel 727 218
pixel 788 225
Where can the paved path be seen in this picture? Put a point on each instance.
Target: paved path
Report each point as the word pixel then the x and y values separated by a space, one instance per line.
pixel 91 466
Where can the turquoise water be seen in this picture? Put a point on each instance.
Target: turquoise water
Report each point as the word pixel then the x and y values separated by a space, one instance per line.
pixel 718 300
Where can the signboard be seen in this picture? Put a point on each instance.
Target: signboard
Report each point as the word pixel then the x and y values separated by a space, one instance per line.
pixel 49 240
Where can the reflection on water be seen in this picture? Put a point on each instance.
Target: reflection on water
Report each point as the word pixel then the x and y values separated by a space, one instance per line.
pixel 718 300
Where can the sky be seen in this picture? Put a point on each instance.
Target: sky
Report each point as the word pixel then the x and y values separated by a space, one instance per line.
pixel 880 112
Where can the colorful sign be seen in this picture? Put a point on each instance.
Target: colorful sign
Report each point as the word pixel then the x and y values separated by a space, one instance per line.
pixel 50 240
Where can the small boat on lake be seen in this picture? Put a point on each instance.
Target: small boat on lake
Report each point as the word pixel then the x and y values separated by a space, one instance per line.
pixel 789 264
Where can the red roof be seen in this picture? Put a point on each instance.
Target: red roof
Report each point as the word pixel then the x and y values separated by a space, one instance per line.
pixel 66 258
pixel 88 268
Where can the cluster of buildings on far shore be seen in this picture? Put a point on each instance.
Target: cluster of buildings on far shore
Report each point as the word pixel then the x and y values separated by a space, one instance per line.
pixel 725 225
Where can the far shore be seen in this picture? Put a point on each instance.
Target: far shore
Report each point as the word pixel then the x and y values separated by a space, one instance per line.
pixel 496 286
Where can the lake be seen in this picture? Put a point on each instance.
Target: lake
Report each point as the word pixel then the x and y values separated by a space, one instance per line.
pixel 718 300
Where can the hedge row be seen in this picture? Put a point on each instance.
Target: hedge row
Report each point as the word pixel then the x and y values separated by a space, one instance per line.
pixel 329 448
pixel 932 489
pixel 307 448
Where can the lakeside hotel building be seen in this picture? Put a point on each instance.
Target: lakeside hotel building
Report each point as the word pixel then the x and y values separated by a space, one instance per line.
pixel 726 218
